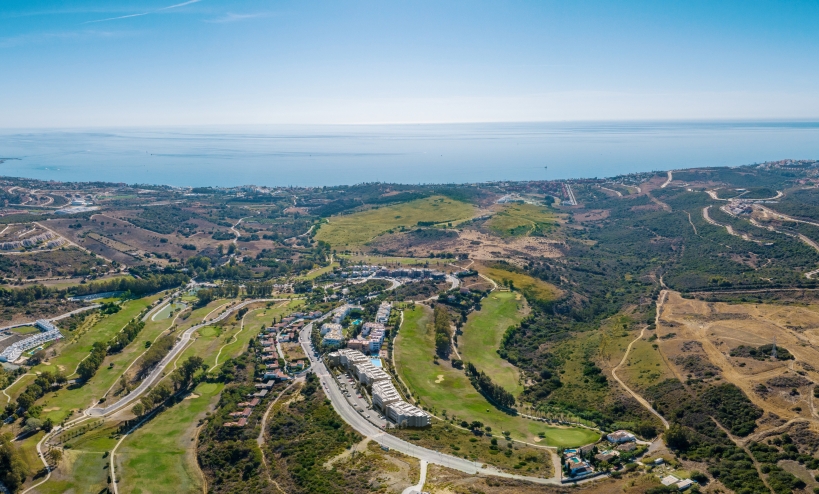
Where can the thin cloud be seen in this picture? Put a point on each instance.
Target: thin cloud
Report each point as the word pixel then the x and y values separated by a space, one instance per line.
pixel 38 38
pixel 229 17
pixel 144 13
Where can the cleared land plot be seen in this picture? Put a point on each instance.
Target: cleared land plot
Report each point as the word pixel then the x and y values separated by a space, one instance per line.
pixel 482 335
pixel 64 261
pixel 521 219
pixel 357 229
pixel 697 337
pixel 441 387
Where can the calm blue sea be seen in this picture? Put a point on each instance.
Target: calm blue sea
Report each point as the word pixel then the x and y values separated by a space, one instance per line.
pixel 334 155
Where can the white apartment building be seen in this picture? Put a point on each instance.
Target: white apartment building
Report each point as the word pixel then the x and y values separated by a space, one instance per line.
pixel 402 413
pixel 384 393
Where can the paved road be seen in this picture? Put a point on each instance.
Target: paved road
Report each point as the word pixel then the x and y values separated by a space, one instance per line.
pixel 419 487
pixel 365 428
pixel 178 347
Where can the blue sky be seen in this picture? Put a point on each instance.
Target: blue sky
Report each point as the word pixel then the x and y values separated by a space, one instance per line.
pixel 175 62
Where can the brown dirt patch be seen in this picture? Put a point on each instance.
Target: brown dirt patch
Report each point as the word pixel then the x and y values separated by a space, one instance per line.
pixel 709 330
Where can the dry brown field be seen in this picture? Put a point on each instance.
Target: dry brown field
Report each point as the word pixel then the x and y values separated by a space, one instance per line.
pixel 696 338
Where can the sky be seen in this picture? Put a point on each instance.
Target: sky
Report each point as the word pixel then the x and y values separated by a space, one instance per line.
pixel 249 62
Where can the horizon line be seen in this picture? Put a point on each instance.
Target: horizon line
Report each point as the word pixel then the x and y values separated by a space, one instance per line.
pixel 430 123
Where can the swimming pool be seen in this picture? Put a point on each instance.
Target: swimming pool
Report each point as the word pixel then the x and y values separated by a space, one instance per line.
pixel 376 362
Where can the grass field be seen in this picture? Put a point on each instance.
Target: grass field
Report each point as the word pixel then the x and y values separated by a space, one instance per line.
pixel 355 230
pixel 159 456
pixel 645 366
pixel 482 334
pixel 440 387
pixel 59 405
pixel 318 272
pixel 521 219
pixel 164 445
pixel 25 330
pixel 83 467
pixel 532 287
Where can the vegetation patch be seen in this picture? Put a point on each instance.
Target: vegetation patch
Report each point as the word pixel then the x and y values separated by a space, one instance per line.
pixel 516 220
pixel 764 352
pixel 454 397
pixel 481 336
pixel 354 230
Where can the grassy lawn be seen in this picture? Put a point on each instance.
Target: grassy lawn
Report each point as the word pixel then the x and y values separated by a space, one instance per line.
pixel 440 387
pixel 537 288
pixel 356 229
pixel 227 335
pixel 28 451
pixel 71 355
pixel 482 334
pixel 318 272
pixel 25 330
pixel 167 311
pixel 83 467
pixel 644 366
pixel 159 456
pixel 521 219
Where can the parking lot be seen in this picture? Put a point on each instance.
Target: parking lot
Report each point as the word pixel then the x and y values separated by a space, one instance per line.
pixel 348 386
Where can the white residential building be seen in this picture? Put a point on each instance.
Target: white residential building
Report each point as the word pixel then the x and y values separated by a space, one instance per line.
pixel 621 436
pixel 333 338
pixel 369 374
pixel 349 358
pixel 383 314
pixel 384 393
pixel 15 350
pixel 327 327
pixel 340 313
pixel 402 413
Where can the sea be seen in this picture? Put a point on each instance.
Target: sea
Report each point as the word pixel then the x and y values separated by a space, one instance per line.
pixel 300 155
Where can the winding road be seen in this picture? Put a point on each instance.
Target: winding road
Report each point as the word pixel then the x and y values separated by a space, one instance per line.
pixel 367 429
pixel 177 349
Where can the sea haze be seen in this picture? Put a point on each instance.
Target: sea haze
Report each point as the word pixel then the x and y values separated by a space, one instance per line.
pixel 336 155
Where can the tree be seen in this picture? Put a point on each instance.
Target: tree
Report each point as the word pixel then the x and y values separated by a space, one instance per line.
pixel 48 425
pixel 676 437
pixel 32 425
pixel 38 357
pixel 54 456
pixel 13 470
pixel 138 409
pixel 203 297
